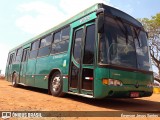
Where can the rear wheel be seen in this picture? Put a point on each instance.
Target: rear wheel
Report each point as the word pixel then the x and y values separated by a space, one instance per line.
pixel 56 85
pixel 14 80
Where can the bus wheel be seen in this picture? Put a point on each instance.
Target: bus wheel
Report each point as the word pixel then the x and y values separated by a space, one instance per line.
pixel 14 80
pixel 56 85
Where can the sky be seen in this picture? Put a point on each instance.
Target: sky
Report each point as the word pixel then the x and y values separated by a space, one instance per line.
pixel 21 20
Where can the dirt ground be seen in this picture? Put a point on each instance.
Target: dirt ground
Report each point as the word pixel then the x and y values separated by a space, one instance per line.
pixel 25 98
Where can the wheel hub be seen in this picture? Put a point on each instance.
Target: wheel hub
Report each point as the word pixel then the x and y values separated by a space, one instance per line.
pixel 56 84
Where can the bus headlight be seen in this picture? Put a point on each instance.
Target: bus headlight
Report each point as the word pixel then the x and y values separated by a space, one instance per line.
pixel 112 82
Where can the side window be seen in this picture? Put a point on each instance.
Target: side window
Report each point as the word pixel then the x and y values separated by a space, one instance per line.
pixel 19 51
pixel 61 41
pixel 25 55
pixel 35 45
pixel 78 45
pixel 46 41
pixel 11 59
pixel 57 37
pixel 45 46
pixel 34 49
pixel 18 55
pixel 142 51
pixel 89 45
pixel 65 33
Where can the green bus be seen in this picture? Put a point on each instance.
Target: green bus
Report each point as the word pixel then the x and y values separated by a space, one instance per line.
pixel 99 53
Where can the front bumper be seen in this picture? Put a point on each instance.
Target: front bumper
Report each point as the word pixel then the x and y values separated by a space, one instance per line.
pixel 125 91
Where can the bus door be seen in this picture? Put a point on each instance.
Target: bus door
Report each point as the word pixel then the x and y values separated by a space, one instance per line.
pixel 9 70
pixel 24 65
pixel 82 60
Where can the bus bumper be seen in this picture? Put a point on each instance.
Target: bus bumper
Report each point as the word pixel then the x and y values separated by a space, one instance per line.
pixel 125 91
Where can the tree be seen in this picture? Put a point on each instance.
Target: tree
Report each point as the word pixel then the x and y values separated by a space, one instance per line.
pixel 152 26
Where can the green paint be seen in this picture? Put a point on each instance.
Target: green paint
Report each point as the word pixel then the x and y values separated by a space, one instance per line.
pixel 100 90
pixel 30 81
pixel 65 85
pixel 40 82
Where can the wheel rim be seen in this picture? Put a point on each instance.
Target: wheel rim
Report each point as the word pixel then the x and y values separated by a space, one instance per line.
pixel 56 84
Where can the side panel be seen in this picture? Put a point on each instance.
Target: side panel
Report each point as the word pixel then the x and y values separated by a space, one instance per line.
pixel 61 62
pixel 100 90
pixel 43 68
pixel 23 72
pixel 16 67
pixel 30 77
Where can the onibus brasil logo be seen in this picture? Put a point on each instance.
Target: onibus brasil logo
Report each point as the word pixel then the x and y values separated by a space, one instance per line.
pixel 7 115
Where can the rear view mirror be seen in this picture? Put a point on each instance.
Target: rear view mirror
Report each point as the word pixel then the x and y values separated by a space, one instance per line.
pixel 100 20
pixel 100 23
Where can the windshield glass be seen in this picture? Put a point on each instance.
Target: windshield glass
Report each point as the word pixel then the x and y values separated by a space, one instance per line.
pixel 124 45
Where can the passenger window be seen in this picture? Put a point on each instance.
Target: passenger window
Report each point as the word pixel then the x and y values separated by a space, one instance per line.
pixel 89 45
pixel 34 49
pixel 57 37
pixel 25 55
pixel 60 47
pixel 11 58
pixel 46 41
pixel 45 46
pixel 19 51
pixel 44 51
pixel 33 54
pixel 18 55
pixel 61 44
pixel 65 33
pixel 35 45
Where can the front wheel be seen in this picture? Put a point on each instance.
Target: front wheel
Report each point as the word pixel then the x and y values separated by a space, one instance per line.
pixel 56 85
pixel 14 80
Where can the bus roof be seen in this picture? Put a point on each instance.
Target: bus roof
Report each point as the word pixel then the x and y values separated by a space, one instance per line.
pixel 108 10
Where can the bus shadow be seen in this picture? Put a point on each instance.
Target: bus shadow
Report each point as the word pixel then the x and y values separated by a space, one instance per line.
pixel 121 104
pixel 29 88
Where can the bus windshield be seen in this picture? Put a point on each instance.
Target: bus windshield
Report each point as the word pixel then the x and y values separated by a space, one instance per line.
pixel 124 45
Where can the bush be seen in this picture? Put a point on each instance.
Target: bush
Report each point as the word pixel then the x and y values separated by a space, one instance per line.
pixel 2 76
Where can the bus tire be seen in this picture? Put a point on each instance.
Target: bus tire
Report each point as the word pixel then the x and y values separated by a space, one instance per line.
pixel 56 85
pixel 14 80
